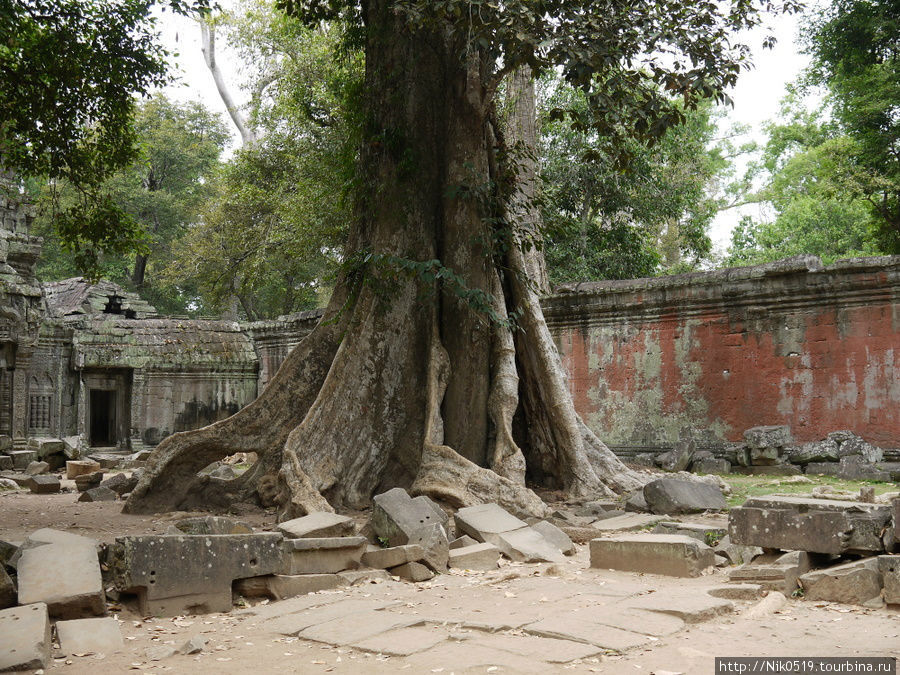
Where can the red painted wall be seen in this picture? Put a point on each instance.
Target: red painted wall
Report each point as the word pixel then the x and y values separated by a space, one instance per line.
pixel 710 355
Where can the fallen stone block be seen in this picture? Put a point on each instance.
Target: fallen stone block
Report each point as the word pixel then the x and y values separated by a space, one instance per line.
pixel 555 536
pixel 712 465
pixel 853 583
pixel 193 646
pixel 525 545
pixel 25 642
pixel 89 636
pixel 63 573
pixel 817 451
pixel 764 456
pixel 433 540
pixel 37 468
pixel 6 443
pixel 668 554
pixel 678 458
pixel 627 523
pixel 120 483
pixel 8 595
pixel 736 554
pixel 22 458
pixel 595 509
pixel 483 520
pixel 385 558
pixel 81 467
pixel 737 591
pixel 815 525
pixel 98 494
pixel 671 496
pixel 322 555
pixel 636 503
pixel 861 448
pixel 462 542
pixel 482 557
pixel 88 481
pixel 43 485
pixel 72 446
pixel 396 516
pixel 779 574
pixel 708 534
pixel 412 571
pixel 889 565
pixel 364 576
pixel 283 586
pixel 6 463
pixel 768 436
pixel 855 467
pixel 823 468
pixel 177 574
pixel 318 524
pixel 772 470
pixel 46 446
pixel 212 525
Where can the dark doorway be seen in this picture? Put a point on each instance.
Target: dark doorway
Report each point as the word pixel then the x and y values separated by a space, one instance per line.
pixel 103 418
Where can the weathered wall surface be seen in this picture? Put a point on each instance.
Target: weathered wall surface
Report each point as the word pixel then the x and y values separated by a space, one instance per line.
pixel 708 355
pixel 274 340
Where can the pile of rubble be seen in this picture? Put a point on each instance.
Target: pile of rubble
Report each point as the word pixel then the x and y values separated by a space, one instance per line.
pixel 200 564
pixel 88 474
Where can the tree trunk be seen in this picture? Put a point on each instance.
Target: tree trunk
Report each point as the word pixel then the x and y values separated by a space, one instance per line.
pixel 405 382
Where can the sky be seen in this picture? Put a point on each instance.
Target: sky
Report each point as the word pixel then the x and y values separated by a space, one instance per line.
pixel 756 96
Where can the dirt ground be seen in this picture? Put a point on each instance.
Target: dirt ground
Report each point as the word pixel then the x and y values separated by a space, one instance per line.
pixel 472 616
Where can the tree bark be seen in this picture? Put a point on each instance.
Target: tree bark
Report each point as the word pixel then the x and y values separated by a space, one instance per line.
pixel 405 382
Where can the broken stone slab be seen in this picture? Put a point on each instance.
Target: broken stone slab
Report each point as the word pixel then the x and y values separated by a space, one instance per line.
pixel 397 517
pixel 855 467
pixel 889 566
pixel 737 591
pixel 89 636
pixel 596 508
pixel 712 465
pixel 412 571
pixel 606 515
pixel 98 494
pixel 22 458
pixel 736 554
pixel 72 446
pixel 482 557
pixel 816 451
pixel 283 586
pixel 678 458
pixel 856 446
pixel 555 536
pixel 194 645
pixel 177 574
pixel 626 523
pixel 773 572
pixel 87 481
pixel 636 503
pixel 364 576
pixel 815 525
pixel 120 483
pixel 63 573
pixel 525 545
pixel 37 468
pixel 43 485
pixel 81 467
pixel 322 555
pixel 483 520
pixel 385 558
pixel 433 540
pixel 46 446
pixel 667 554
pixel 8 595
pixel 764 456
pixel 462 542
pixel 775 436
pixel 671 496
pixel 318 524
pixel 852 583
pixel 708 534
pixel 24 638
pixel 212 525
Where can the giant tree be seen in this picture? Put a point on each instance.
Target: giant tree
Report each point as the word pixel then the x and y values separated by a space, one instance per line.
pixel 432 367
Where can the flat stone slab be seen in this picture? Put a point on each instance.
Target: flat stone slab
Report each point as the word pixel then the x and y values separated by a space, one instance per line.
pixel 525 545
pixel 364 625
pixel 548 650
pixel 212 525
pixel 671 496
pixel 89 636
pixel 626 523
pixel 853 583
pixel 555 536
pixel 174 574
pixel 483 520
pixel 737 591
pixel 412 571
pixel 814 525
pixel 385 558
pixel 482 557
pixel 698 531
pixel 63 571
pixel 282 586
pixel 318 524
pixel 402 641
pixel 294 618
pixel 690 607
pixel 364 576
pixel 80 467
pixel 668 554
pixel 578 628
pixel 24 638
pixel 322 555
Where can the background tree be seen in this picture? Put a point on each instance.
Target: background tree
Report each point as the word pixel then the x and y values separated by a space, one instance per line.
pixel 69 70
pixel 417 375
pixel 162 190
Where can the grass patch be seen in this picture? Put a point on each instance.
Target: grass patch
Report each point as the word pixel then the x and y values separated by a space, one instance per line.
pixel 751 486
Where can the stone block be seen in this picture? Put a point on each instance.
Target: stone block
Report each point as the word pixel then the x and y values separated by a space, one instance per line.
pixel 736 554
pixel 462 542
pixel 6 443
pixel 212 525
pixel 774 572
pixel 433 540
pixel 364 576
pixel 72 446
pixel 8 595
pixel 25 643
pixel 856 446
pixel 714 465
pixel 636 503
pixel 764 456
pixel 708 534
pixel 45 447
pixel 87 481
pixel 283 586
pixel 627 522
pixel 889 566
pixel 855 467
pixel 555 536
pixel 176 574
pixel 120 483
pixel 61 570
pixel 823 468
pixel 475 557
pixel 6 463
pixel 486 519
pixel 817 451
pixel 43 485
pixel 815 525
pixel 97 494
pixel 671 496
pixel 596 508
pixel 525 545
pixel 667 554
pixel 772 470
pixel 318 524
pixel 396 516
pixel 412 571
pixel 89 636
pixel 385 558
pixel 853 583
pixel 678 458
pixel 768 436
pixel 22 458
pixel 37 468
pixel 606 515
pixel 322 555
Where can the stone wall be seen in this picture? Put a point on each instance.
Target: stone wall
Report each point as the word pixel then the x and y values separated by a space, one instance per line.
pixel 275 339
pixel 708 355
